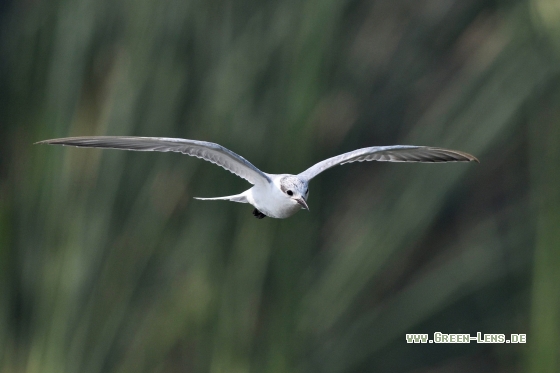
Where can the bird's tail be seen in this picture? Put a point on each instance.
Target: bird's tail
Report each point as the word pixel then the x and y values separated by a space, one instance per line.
pixel 241 198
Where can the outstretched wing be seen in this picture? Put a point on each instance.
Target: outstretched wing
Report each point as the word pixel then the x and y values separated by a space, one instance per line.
pixel 394 153
pixel 201 149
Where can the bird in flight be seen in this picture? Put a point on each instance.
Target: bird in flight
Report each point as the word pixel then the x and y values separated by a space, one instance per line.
pixel 274 195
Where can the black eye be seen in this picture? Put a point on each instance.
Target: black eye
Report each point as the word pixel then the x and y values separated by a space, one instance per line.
pixel 290 193
pixel 307 191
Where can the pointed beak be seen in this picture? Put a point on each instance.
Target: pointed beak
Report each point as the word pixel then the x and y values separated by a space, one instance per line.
pixel 302 202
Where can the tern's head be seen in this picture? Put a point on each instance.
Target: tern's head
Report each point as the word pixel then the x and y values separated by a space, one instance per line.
pixel 296 189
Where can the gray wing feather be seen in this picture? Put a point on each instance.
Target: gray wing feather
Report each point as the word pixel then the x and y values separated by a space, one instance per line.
pixel 208 151
pixel 395 153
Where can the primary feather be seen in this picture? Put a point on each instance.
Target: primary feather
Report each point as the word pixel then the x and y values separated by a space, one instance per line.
pixel 394 153
pixel 208 151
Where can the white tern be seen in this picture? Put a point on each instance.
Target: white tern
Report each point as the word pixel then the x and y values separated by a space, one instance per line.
pixel 274 195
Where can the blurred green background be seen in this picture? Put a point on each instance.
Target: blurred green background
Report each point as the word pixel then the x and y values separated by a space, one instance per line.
pixel 107 264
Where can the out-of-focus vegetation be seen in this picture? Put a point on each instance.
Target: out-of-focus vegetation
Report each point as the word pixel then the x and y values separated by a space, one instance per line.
pixel 107 264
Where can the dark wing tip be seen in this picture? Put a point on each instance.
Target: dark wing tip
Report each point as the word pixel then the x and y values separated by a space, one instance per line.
pixel 464 157
pixel 53 141
pixel 48 142
pixel 469 157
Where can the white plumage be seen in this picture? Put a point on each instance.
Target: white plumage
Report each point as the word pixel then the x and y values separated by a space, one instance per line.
pixel 277 196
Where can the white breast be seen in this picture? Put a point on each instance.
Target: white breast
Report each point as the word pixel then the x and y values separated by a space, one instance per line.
pixel 270 200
